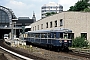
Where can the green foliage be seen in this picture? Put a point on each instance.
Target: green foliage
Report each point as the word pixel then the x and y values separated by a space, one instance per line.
pixel 71 8
pixel 79 42
pixel 86 0
pixel 80 5
pixel 50 13
pixel 87 9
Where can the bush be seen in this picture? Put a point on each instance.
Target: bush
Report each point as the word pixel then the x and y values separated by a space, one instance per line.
pixel 79 42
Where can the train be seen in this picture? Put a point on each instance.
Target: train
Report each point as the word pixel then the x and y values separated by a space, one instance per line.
pixel 6 36
pixel 59 39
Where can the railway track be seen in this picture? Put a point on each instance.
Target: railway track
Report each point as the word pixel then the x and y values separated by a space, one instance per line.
pixel 50 55
pixel 76 53
pixel 81 54
pixel 20 52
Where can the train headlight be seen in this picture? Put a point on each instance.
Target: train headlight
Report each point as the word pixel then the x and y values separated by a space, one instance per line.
pixel 65 40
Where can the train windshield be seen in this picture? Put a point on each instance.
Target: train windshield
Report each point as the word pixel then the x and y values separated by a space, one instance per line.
pixel 65 35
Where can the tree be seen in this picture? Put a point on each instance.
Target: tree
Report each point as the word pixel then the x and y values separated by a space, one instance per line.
pixel 50 13
pixel 87 9
pixel 71 8
pixel 79 42
pixel 86 0
pixel 80 5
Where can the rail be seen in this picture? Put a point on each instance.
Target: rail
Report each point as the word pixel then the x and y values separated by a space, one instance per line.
pixel 80 52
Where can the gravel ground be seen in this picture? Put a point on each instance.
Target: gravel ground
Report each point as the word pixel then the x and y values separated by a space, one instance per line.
pixel 6 56
pixel 48 55
pixel 2 57
pixel 21 51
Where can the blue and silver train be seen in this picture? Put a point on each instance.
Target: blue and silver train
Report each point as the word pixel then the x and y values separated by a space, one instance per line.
pixel 59 39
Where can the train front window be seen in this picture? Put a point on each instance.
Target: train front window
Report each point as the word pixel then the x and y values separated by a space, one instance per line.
pixel 65 35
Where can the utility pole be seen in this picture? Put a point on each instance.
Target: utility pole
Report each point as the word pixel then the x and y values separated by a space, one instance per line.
pixel 12 31
pixel 23 31
pixel 12 28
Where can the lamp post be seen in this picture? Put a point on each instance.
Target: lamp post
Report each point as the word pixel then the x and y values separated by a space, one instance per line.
pixel 23 31
pixel 12 31
pixel 15 29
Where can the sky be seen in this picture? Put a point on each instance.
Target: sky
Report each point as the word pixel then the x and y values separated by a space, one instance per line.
pixel 25 8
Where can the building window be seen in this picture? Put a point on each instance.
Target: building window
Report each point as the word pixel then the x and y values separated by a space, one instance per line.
pixel 56 23
pixel 4 18
pixel 50 24
pixel 41 26
pixel 61 22
pixel 35 27
pixel 47 25
pixel 38 27
pixel 84 35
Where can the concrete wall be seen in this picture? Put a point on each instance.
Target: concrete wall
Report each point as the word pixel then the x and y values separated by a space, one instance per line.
pixel 78 22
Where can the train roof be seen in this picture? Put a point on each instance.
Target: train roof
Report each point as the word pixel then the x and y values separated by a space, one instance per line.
pixel 40 31
pixel 48 31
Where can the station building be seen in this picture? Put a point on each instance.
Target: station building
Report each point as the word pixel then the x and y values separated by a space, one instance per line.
pixel 78 22
pixel 9 21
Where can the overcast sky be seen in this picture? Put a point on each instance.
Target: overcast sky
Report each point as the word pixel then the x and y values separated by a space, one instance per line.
pixel 25 8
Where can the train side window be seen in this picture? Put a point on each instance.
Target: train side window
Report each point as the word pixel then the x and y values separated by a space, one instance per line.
pixel 32 35
pixel 48 35
pixel 45 35
pixel 54 35
pixel 61 35
pixel 29 35
pixel 36 35
pixel 42 35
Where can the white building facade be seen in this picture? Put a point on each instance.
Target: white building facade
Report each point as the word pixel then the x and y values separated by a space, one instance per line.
pixel 51 7
pixel 78 22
